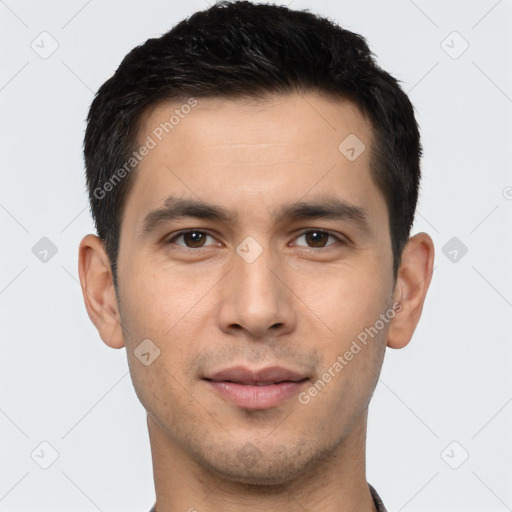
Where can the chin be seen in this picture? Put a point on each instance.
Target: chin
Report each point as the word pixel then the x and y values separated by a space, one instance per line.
pixel 274 467
pixel 262 476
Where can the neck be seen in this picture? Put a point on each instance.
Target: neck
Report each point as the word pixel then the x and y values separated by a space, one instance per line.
pixel 335 484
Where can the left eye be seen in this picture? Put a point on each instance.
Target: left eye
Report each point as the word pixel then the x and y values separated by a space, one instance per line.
pixel 193 239
pixel 316 238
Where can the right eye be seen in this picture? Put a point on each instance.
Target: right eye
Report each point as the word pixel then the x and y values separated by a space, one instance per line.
pixel 192 239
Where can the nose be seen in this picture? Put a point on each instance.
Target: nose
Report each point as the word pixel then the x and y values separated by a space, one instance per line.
pixel 256 299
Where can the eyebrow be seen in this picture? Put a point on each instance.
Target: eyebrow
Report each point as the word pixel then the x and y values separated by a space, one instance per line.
pixel 326 208
pixel 176 208
pixel 329 208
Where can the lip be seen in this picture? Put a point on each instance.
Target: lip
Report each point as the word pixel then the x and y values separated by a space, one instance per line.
pixel 256 389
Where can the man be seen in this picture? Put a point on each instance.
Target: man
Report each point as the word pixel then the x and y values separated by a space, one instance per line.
pixel 253 176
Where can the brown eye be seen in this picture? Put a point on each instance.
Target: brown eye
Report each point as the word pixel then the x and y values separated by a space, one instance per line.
pixel 317 238
pixel 192 239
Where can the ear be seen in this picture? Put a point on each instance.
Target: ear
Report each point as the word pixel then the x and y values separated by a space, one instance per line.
pixel 98 290
pixel 413 279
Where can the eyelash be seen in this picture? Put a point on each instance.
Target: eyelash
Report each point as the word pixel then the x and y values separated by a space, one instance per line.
pixel 322 231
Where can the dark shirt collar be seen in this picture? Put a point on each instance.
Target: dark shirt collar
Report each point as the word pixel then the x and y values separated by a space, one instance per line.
pixel 376 499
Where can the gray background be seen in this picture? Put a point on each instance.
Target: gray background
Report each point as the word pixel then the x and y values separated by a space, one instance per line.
pixel 446 396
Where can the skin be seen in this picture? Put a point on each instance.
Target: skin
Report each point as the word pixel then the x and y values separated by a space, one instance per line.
pixel 298 305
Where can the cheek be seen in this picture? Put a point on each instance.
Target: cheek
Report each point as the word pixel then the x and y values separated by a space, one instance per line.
pixel 173 310
pixel 158 303
pixel 169 316
pixel 345 299
pixel 348 305
pixel 351 363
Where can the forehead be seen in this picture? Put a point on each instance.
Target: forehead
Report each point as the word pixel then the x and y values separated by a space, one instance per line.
pixel 253 153
pixel 271 123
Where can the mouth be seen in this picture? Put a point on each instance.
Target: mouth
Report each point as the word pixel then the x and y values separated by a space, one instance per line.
pixel 256 389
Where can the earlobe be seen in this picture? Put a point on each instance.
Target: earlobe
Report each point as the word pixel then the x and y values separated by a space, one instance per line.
pixel 98 290
pixel 413 280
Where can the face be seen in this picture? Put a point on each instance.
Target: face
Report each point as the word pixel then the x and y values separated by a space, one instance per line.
pixel 253 253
